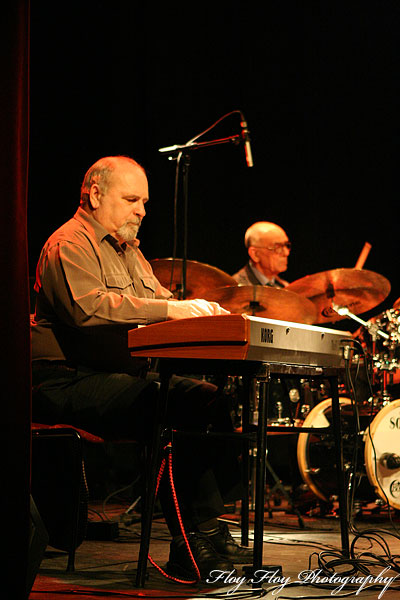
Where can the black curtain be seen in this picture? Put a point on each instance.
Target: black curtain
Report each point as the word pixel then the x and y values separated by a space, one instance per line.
pixel 14 298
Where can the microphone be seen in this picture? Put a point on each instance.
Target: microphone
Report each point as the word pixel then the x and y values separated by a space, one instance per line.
pixel 246 139
pixel 390 460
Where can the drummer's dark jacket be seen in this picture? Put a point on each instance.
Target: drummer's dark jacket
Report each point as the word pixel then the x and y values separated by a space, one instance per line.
pixel 90 291
pixel 248 276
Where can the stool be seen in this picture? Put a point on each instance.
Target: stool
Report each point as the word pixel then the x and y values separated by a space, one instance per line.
pixel 79 490
pixel 66 531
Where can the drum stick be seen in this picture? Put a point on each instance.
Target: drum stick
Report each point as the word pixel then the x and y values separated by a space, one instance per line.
pixel 363 256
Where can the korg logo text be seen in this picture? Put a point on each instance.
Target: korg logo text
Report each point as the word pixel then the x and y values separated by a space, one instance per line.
pixel 267 335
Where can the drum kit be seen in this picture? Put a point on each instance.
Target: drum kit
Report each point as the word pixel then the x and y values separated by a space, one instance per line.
pixel 326 297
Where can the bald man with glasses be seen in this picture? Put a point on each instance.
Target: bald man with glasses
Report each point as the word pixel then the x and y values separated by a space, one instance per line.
pixel 268 247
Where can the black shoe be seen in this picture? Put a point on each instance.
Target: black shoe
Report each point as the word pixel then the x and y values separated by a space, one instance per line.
pixel 226 546
pixel 207 559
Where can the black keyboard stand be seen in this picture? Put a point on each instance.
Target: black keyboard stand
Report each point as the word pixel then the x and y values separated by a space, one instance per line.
pixel 262 373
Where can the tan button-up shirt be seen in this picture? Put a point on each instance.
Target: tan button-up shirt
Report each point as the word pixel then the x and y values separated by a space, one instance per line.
pixel 90 292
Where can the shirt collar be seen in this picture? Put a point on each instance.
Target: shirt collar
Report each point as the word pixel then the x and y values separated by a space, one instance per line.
pixel 261 277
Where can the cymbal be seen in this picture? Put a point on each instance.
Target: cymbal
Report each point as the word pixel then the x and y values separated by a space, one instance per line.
pixel 266 302
pixel 358 290
pixel 397 303
pixel 200 277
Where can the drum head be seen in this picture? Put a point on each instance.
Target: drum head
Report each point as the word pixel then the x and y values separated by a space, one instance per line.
pixel 382 442
pixel 316 452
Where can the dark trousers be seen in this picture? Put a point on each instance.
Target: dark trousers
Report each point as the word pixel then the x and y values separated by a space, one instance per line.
pixel 206 471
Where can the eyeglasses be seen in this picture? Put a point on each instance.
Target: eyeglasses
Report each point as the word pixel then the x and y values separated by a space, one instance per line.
pixel 278 247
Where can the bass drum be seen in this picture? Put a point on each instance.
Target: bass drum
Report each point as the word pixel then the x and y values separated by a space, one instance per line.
pixel 316 452
pixel 382 453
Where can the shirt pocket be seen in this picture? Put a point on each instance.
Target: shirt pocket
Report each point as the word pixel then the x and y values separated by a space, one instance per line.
pixel 118 282
pixel 149 286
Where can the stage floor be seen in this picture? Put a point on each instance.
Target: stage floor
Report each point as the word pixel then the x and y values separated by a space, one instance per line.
pixel 106 569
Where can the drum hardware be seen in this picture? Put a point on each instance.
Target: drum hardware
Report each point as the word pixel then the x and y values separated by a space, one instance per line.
pixel 300 401
pixel 311 392
pixel 387 359
pixel 233 388
pixel 384 350
pixel 279 420
pixel 279 407
pixel 277 487
pixel 375 403
pixel 383 362
pixel 381 399
pixel 322 391
pixel 254 400
pixel 390 460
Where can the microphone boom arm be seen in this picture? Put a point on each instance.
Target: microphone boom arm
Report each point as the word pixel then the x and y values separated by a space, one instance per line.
pixel 177 148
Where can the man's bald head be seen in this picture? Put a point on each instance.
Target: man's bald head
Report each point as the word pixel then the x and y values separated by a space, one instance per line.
pixel 263 232
pixel 268 247
pixel 101 173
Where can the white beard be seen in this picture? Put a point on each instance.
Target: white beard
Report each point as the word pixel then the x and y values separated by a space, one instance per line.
pixel 128 231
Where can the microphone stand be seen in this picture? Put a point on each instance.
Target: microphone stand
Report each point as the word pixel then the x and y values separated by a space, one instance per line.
pixel 184 150
pixel 185 172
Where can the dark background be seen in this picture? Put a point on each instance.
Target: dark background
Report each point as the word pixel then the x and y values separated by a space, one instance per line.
pixel 318 83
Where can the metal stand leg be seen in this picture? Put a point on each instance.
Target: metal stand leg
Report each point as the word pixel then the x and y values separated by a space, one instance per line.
pixel 260 473
pixel 261 479
pixel 244 517
pixel 339 466
pixel 151 482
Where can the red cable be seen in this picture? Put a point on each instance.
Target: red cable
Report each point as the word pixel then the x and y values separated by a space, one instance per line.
pixel 178 514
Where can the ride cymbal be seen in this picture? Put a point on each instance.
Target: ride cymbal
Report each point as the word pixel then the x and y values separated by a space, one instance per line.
pixel 358 290
pixel 266 302
pixel 200 277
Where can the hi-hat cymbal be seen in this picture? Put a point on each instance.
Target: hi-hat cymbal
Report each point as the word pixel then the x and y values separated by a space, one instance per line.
pixel 356 289
pixel 200 277
pixel 266 302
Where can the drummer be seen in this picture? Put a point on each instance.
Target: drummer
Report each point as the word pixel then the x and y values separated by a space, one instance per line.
pixel 268 247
